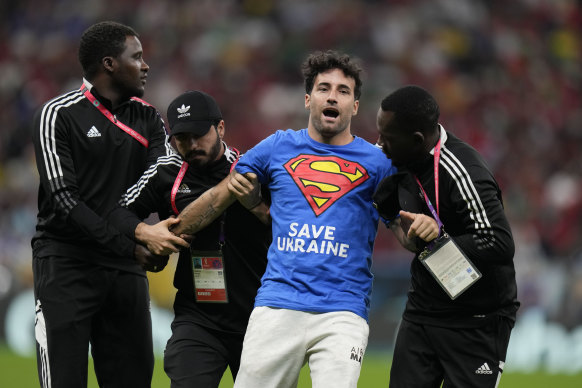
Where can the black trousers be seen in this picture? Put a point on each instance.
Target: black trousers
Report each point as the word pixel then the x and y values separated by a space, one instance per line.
pixel 79 303
pixel 426 356
pixel 197 356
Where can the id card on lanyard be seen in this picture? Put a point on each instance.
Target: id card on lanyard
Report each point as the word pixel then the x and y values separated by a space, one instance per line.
pixel 452 270
pixel 208 273
pixel 445 261
pixel 207 266
pixel 209 277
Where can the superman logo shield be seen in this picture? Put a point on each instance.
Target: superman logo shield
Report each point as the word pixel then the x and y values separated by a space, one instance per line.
pixel 325 179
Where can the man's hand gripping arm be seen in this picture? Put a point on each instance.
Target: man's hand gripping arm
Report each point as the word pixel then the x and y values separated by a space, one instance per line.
pixel 410 226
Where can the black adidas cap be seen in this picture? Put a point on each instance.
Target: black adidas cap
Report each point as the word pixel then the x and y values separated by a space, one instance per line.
pixel 193 112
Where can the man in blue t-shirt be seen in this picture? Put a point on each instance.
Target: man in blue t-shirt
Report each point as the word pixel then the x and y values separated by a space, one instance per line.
pixel 314 298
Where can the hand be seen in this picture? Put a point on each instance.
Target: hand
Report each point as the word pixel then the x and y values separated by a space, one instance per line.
pixel 246 189
pixel 159 239
pixel 419 225
pixel 148 260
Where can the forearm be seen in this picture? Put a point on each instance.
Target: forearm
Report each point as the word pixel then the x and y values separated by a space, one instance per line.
pixel 262 212
pixel 100 231
pixel 487 246
pixel 200 213
pixel 124 220
pixel 487 238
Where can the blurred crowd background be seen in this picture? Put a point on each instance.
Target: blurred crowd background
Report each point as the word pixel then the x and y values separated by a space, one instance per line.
pixel 507 75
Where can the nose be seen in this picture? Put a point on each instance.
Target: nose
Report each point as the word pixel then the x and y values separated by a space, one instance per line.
pixel 144 65
pixel 192 142
pixel 384 145
pixel 332 96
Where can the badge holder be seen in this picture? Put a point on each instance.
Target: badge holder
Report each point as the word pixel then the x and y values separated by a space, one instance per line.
pixel 443 258
pixel 450 267
pixel 208 273
pixel 209 278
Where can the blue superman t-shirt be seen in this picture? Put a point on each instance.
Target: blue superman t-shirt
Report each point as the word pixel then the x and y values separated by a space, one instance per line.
pixel 324 223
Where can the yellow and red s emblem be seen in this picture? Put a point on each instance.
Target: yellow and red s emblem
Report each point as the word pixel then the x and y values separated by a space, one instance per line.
pixel 324 179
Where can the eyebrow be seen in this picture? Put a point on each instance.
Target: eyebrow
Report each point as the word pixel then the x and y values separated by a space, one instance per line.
pixel 340 86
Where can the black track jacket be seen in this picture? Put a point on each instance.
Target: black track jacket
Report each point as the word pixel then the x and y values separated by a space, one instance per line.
pixel 471 210
pixel 246 238
pixel 86 163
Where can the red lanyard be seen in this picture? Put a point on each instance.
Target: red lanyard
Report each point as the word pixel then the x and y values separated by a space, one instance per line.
pixel 180 177
pixel 112 118
pixel 437 157
pixel 176 186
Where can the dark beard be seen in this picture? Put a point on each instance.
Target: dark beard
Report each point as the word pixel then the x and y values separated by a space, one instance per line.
pixel 212 155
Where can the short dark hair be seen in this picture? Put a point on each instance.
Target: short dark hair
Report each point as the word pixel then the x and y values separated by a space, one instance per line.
pixel 320 62
pixel 102 40
pixel 414 108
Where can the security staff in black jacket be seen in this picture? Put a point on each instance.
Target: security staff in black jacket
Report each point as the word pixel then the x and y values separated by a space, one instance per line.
pixel 451 335
pixel 90 285
pixel 218 277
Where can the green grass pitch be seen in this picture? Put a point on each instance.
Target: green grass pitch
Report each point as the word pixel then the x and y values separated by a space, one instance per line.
pixel 20 372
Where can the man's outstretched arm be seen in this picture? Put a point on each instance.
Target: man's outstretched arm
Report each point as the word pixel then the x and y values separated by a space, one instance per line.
pixel 213 202
pixel 205 209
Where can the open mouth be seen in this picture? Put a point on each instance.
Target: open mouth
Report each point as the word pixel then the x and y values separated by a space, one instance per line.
pixel 331 113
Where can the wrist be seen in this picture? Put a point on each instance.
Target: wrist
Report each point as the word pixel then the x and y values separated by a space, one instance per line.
pixel 254 205
pixel 140 232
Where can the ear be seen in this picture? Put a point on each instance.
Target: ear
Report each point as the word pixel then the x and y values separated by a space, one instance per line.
pixel 356 106
pixel 307 101
pixel 418 138
pixel 220 129
pixel 108 63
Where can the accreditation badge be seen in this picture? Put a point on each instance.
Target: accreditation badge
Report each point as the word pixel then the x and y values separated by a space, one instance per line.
pixel 451 268
pixel 209 278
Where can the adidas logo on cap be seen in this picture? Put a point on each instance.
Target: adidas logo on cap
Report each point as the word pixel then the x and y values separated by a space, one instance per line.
pixel 183 111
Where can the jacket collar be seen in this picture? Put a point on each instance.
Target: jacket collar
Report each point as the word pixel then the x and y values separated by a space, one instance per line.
pixel 93 90
pixel 443 138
